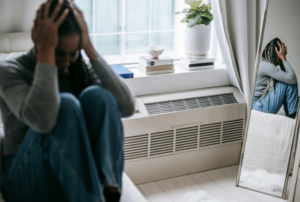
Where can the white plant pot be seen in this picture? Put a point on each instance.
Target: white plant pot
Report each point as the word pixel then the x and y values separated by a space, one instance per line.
pixel 197 40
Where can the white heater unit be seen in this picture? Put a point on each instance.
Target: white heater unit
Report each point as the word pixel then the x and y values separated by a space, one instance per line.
pixel 180 133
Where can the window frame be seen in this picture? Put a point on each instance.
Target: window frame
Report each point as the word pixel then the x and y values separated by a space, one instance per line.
pixel 178 30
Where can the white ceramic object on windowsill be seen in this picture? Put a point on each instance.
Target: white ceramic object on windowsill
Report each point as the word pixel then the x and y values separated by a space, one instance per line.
pixel 197 41
pixel 155 51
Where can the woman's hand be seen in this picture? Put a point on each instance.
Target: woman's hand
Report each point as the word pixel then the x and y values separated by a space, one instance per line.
pixel 45 32
pixel 86 44
pixel 282 51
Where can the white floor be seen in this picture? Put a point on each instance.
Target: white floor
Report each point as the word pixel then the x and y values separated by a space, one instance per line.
pixel 219 185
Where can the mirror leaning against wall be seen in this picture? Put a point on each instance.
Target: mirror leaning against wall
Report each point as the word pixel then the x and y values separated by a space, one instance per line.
pixel 269 143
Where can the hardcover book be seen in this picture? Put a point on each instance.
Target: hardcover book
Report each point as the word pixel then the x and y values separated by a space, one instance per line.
pixel 197 68
pixel 156 68
pixel 198 64
pixel 148 61
pixel 158 72
pixel 197 61
pixel 122 71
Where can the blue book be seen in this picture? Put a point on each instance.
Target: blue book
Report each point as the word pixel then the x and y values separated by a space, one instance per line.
pixel 122 71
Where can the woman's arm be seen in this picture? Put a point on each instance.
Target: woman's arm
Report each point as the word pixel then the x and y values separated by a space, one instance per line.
pixel 36 105
pixel 108 78
pixel 115 85
pixel 288 76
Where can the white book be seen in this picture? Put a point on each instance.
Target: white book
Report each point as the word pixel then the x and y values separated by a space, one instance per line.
pixel 197 61
pixel 148 61
pixel 158 72
pixel 157 68
pixel 196 68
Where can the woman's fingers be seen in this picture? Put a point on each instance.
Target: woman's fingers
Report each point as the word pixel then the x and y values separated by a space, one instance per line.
pixel 39 12
pixel 46 9
pixel 284 46
pixel 76 8
pixel 76 14
pixel 62 17
pixel 56 10
pixel 279 45
pixel 276 50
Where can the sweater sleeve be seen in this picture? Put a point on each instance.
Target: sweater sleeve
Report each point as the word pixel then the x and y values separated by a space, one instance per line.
pixel 115 84
pixel 36 105
pixel 288 76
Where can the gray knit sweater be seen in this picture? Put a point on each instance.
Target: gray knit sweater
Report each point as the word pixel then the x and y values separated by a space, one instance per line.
pixel 29 95
pixel 267 70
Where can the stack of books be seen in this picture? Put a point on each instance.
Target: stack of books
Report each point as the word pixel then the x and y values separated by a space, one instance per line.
pixel 151 66
pixel 197 64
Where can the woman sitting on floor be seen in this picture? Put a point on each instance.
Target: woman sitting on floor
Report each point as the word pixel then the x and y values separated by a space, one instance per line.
pixel 62 118
pixel 276 87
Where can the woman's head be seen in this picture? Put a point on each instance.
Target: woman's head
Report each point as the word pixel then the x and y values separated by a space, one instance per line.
pixel 269 53
pixel 68 48
pixel 69 33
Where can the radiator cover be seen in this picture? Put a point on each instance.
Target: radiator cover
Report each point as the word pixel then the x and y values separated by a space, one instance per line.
pixel 184 136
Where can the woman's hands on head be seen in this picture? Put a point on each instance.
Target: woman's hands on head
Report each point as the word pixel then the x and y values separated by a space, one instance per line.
pixel 45 32
pixel 281 53
pixel 86 44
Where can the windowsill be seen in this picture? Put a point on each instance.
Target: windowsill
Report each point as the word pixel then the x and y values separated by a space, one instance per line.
pixel 180 80
pixel 178 70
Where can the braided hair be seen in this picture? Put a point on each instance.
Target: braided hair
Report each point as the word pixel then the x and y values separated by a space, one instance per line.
pixel 269 55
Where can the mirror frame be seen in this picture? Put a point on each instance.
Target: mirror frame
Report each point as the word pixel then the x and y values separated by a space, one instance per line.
pixel 294 180
pixel 296 131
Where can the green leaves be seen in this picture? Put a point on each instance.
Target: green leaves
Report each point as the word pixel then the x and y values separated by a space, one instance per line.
pixel 206 14
pixel 205 21
pixel 195 20
pixel 209 6
pixel 194 4
pixel 183 20
pixel 199 13
pixel 186 10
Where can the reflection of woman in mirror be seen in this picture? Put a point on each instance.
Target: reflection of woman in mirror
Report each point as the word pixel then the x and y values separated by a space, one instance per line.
pixel 275 87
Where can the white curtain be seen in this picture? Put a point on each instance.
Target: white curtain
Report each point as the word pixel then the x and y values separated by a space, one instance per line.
pixel 237 25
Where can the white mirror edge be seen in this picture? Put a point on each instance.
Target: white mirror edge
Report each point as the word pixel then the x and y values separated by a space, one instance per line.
pixel 294 149
pixel 295 138
pixel 295 175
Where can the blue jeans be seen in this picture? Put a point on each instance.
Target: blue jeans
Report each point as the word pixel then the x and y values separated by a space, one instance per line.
pixel 76 160
pixel 283 94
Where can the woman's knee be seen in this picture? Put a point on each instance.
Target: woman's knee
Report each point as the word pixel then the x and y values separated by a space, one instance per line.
pixel 70 116
pixel 294 87
pixel 98 94
pixel 68 103
pixel 286 85
pixel 287 88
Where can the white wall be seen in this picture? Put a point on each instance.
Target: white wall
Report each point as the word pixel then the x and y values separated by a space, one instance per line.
pixel 17 15
pixel 283 21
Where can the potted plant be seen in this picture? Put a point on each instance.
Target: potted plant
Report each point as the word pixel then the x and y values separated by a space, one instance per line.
pixel 198 28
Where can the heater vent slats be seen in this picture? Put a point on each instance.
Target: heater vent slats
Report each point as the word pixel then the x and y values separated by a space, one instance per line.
pixel 136 147
pixel 189 104
pixel 161 143
pixel 232 131
pixel 186 138
pixel 210 134
pixel 183 139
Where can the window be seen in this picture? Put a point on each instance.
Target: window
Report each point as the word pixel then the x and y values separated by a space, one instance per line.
pixel 122 29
